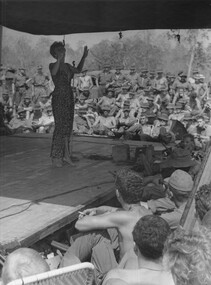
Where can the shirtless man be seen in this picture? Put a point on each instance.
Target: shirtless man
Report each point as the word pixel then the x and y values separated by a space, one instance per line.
pixel 96 222
pixel 149 234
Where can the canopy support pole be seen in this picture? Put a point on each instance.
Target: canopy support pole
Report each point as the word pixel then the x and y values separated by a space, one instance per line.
pixel 1 36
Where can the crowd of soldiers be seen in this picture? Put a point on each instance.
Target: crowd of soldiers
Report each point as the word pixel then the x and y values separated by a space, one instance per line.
pixel 144 105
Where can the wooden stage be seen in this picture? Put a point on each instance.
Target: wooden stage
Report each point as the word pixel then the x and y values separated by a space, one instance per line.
pixel 37 199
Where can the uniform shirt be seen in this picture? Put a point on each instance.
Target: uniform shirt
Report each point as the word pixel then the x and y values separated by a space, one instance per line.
pixel 161 84
pixel 108 122
pixel 105 78
pixel 6 103
pixel 20 80
pixel 85 82
pixel 119 79
pixel 16 123
pixel 40 79
pixel 45 120
pixel 181 86
pixel 121 99
pixel 146 130
pixel 105 101
pixel 133 78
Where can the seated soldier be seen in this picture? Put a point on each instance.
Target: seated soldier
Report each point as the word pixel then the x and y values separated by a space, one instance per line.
pixel 126 123
pixel 23 262
pixel 130 189
pixel 149 235
pixel 134 104
pixel 19 124
pixel 202 131
pixel 203 205
pixel 188 256
pixel 81 104
pixel 6 102
pixel 104 124
pixel 28 106
pixel 179 187
pixel 162 96
pixel 80 125
pixel 146 129
pixel 107 100
pixel 45 124
pixel 160 131
pixel 43 103
pixel 122 97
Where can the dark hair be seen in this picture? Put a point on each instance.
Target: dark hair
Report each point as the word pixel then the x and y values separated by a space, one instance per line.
pixel 54 46
pixel 130 185
pixel 150 234
pixel 203 200
pixel 189 136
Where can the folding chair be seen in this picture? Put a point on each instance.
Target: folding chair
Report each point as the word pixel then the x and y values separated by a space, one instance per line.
pixel 79 274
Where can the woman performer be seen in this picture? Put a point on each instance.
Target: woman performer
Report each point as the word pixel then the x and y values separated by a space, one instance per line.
pixel 62 103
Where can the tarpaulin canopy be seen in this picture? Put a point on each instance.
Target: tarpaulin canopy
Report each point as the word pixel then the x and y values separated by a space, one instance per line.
pixel 59 17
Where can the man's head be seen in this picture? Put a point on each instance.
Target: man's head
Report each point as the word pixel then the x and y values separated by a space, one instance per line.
pixel 22 114
pixel 44 99
pixel 126 111
pixel 143 120
pixel 106 67
pixel 163 119
pixel 150 234
pixel 49 111
pixel 110 92
pixel 203 200
pixel 118 69
pixel 124 90
pixel 128 186
pixel 183 77
pixel 200 122
pixel 21 263
pixel 22 70
pixel 27 100
pixel 5 96
pixel 133 68
pixel 180 184
pixel 188 142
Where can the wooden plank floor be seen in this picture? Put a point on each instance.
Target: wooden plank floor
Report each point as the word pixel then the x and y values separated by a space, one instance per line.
pixel 37 199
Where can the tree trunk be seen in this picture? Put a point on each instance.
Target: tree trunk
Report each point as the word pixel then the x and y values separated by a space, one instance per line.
pixel 192 54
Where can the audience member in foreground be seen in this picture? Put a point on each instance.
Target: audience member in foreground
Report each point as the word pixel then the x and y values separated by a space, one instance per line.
pixel 188 256
pixel 21 263
pixel 149 234
pixel 203 205
pixel 94 242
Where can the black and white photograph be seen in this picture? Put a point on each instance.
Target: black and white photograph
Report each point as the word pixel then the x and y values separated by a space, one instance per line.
pixel 105 142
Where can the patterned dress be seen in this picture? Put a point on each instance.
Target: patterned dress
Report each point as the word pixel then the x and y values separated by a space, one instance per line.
pixel 63 112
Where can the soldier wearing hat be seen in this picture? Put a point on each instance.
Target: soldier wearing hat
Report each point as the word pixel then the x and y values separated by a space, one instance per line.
pixel 108 100
pixel 45 124
pixel 20 124
pixel 27 104
pixel 104 123
pixel 143 79
pixel 151 80
pixel 119 80
pixel 6 102
pixel 181 88
pixel 21 86
pixel 40 83
pixel 161 83
pixel 85 81
pixel 104 80
pixel 133 78
pixel 10 81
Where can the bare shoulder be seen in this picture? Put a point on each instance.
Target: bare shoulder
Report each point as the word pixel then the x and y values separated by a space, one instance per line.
pixel 115 277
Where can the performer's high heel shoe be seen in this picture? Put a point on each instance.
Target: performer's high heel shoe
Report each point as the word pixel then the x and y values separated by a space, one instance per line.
pixel 57 162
